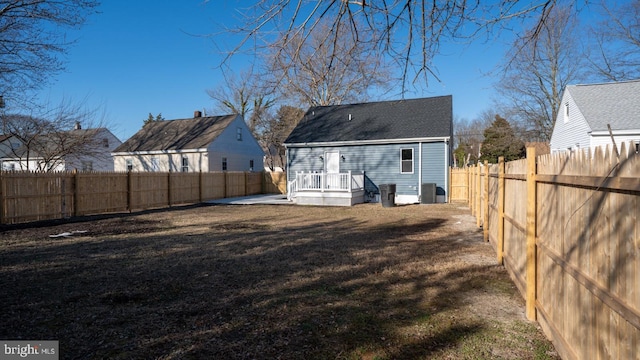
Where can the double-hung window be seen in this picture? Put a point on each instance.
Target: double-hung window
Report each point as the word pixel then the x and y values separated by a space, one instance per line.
pixel 185 164
pixel 406 161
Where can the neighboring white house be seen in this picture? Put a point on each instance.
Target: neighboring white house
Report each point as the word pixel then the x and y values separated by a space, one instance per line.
pixel 586 110
pixel 77 149
pixel 210 143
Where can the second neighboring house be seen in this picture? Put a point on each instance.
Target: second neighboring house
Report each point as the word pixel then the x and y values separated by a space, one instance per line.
pixel 406 143
pixel 77 149
pixel 586 110
pixel 209 143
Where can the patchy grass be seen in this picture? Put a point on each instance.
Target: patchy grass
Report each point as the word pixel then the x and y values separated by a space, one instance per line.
pixel 265 282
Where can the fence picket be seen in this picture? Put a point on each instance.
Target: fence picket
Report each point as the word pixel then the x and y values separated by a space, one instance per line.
pixel 587 261
pixel 29 196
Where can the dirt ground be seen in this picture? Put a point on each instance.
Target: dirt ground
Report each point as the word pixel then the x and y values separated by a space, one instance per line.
pixel 265 282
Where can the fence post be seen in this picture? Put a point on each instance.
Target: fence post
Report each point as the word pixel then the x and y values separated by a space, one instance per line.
pixel 225 184
pixel 485 221
pixel 129 191
pixel 169 188
pixel 246 183
pixel 76 212
pixel 469 191
pixel 472 194
pixel 500 245
pixel 531 234
pixel 478 195
pixel 200 187
pixel 2 200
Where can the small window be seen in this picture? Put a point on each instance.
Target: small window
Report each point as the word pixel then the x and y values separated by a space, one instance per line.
pixel 406 161
pixel 155 164
pixel 224 164
pixel 239 134
pixel 566 112
pixel 250 165
pixel 185 164
pixel 87 166
pixel 105 142
pixel 129 163
pixel 637 146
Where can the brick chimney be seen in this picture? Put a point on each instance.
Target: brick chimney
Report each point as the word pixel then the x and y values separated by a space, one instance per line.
pixel 197 114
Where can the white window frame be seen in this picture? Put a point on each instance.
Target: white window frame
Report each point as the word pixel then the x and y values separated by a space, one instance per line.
pixel 87 165
pixel 155 164
pixel 239 134
pixel 402 161
pixel 129 164
pixel 566 112
pixel 185 163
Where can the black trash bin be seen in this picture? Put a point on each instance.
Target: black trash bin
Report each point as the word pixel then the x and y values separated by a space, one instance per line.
pixel 387 195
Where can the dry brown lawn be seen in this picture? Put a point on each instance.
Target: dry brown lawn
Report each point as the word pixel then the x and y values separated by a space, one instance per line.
pixel 265 282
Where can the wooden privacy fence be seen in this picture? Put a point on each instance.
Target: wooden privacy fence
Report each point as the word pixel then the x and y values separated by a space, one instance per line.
pixel 567 229
pixel 28 196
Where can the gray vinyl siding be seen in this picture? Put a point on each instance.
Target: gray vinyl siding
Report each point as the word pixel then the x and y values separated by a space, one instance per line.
pixel 434 168
pixel 381 164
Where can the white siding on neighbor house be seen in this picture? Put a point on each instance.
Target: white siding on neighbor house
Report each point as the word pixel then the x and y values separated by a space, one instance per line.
pixel 239 153
pixel 198 161
pixel 101 160
pixel 572 134
pixel 605 139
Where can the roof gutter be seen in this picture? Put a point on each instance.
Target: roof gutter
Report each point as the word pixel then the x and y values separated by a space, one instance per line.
pixel 368 142
pixel 158 152
pixel 616 132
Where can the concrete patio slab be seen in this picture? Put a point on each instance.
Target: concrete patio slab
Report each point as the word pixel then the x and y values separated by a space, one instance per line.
pixel 268 199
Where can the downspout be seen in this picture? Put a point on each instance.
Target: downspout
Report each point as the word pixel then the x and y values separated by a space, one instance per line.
pixel 420 172
pixel 446 170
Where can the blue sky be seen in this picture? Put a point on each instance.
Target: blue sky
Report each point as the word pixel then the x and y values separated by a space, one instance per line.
pixel 140 57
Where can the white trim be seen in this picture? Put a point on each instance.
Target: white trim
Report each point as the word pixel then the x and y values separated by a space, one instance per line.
pixel 615 132
pixel 446 173
pixel 406 199
pixel 368 142
pixel 413 159
pixel 419 170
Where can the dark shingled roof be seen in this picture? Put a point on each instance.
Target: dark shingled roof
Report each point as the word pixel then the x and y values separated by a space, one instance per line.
pixel 193 133
pixel 384 120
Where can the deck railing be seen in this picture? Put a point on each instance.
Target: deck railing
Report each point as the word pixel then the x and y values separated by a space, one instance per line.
pixel 346 182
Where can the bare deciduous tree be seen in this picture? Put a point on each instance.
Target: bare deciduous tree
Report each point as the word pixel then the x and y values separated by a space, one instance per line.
pixel 274 130
pixel 32 40
pixel 329 67
pixel 534 78
pixel 44 141
pixel 408 33
pixel 243 95
pixel 616 56
pixel 469 136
